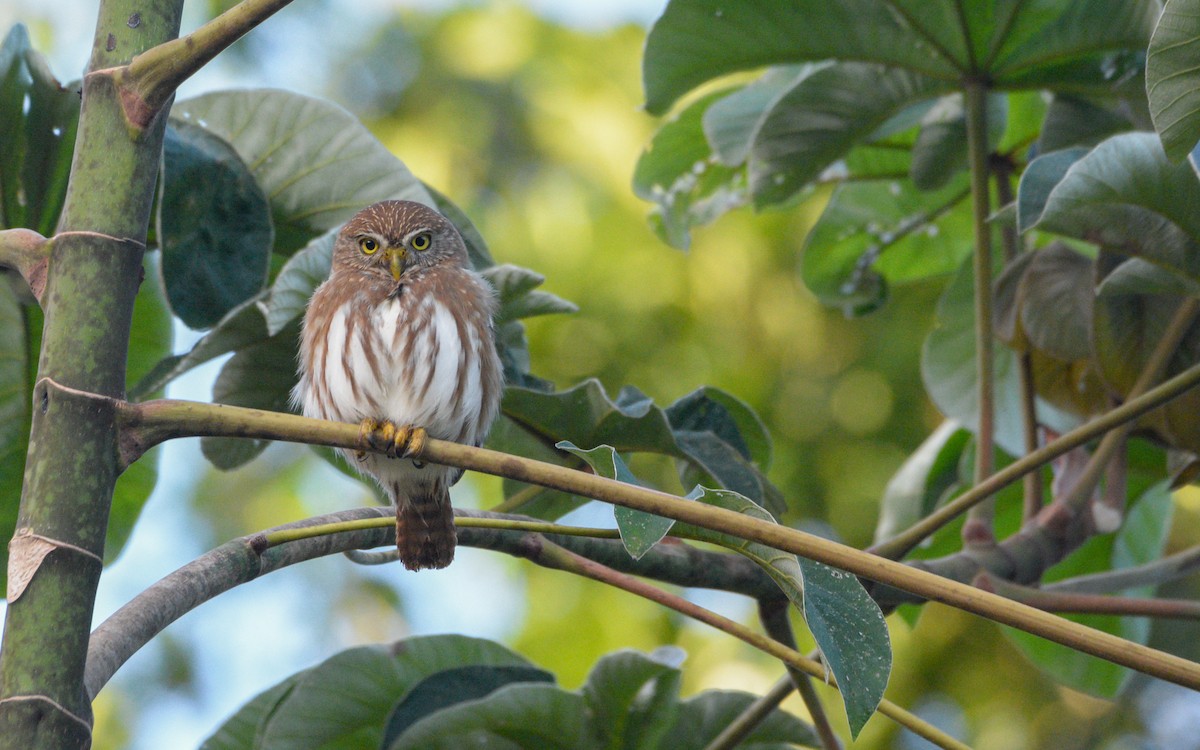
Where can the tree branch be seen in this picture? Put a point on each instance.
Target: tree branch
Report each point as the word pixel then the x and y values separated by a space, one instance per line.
pixel 28 253
pixel 1073 603
pixel 146 424
pixel 151 78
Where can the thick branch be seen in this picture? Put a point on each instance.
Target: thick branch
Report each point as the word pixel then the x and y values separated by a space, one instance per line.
pixel 1067 602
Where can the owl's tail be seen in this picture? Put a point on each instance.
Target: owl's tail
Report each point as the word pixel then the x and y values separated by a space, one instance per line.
pixel 425 536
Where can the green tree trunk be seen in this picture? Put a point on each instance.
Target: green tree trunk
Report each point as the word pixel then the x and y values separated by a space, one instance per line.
pixel 72 464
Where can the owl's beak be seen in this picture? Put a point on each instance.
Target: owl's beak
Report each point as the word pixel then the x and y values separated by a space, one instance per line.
pixel 396 261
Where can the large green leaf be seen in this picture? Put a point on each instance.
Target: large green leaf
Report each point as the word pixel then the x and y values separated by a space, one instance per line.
pixel 296 281
pixel 519 295
pixel 1037 182
pixel 214 226
pixel 317 164
pixel 1172 79
pixel 1074 121
pixel 698 40
pixel 329 705
pixel 1125 195
pixel 450 687
pixel 820 118
pixel 1140 540
pixel 843 618
pixel 731 123
pixel 523 716
pixel 633 698
pixel 38 121
pixel 880 232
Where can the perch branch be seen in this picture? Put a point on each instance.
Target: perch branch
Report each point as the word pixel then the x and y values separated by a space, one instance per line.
pixel 28 253
pixel 146 424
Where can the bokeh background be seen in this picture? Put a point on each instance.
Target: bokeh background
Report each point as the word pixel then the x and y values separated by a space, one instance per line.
pixel 528 116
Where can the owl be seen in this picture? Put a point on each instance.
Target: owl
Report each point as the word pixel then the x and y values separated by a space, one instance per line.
pixel 399 339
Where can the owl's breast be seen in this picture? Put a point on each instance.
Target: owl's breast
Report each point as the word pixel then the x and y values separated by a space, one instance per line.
pixel 431 366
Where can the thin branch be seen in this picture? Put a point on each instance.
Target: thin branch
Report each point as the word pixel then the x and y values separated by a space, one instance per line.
pixel 1067 602
pixel 1032 497
pixel 756 713
pixel 148 423
pixel 1154 573
pixel 553 556
pixel 774 616
pixel 979 528
pixel 901 544
pixel 151 78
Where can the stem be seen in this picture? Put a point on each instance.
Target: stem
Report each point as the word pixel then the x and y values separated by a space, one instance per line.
pixel 1163 570
pixel 1075 603
pixel 1032 497
pixel 151 78
pixel 283 536
pixel 774 616
pixel 755 714
pixel 901 544
pixel 978 528
pixel 553 556
pixel 72 462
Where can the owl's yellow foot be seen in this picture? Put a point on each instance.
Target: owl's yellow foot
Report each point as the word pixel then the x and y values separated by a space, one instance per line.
pixel 386 436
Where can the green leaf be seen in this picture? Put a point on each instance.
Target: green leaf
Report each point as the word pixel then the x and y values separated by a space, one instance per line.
pixel 1073 121
pixel 732 122
pixel 845 621
pixel 259 376
pixel 701 718
pixel 16 396
pixel 1126 328
pixel 451 687
pixel 1140 540
pixel 1124 195
pixel 633 698
pixel 1172 80
pixel 316 162
pixel 525 716
pixel 872 234
pixel 948 369
pixel 819 119
pixel 940 151
pixel 1137 276
pixel 214 226
pixel 296 282
pixel 1040 178
pixel 682 176
pixel 329 704
pixel 585 415
pixel 697 40
pixel 1043 306
pixel 519 297
pixel 38 121
pixel 925 476
pixel 640 531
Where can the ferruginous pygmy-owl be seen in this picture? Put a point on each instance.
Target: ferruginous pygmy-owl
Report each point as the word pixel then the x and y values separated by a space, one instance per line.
pixel 399 338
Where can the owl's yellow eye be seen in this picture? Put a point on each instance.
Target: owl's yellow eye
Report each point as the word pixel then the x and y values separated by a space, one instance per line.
pixel 421 241
pixel 368 245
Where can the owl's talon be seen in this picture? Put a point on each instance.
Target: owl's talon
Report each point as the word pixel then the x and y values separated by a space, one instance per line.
pixel 416 441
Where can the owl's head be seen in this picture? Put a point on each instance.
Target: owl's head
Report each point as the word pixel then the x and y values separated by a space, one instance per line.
pixel 390 238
